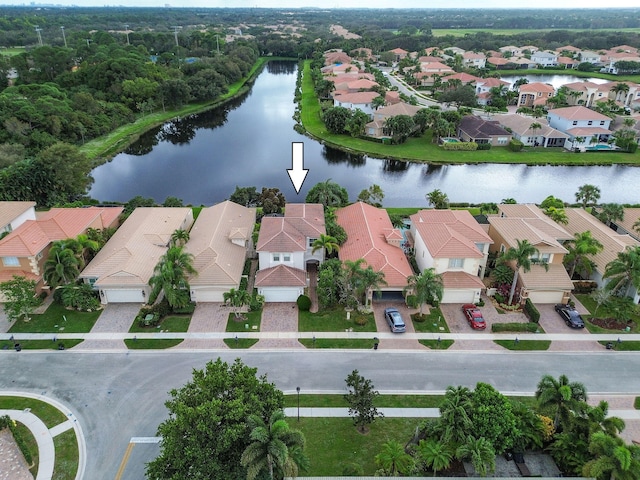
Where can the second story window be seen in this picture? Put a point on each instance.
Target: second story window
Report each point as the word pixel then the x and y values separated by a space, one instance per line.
pixel 10 261
pixel 456 262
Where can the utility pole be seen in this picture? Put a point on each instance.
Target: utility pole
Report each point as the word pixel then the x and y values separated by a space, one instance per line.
pixel 175 34
pixel 126 31
pixel 64 37
pixel 38 30
pixel 217 44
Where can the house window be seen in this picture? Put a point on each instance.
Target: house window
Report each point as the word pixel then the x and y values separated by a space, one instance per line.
pixel 276 257
pixel 480 247
pixel 310 242
pixel 39 256
pixel 286 257
pixel 456 262
pixel 590 122
pixel 502 141
pixel 601 122
pixel 10 261
pixel 502 248
pixel 575 122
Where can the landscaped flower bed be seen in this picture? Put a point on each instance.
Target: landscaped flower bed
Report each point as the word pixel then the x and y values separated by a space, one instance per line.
pixel 610 323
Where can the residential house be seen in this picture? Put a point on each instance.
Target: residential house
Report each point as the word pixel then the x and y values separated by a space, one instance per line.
pixel 529 49
pixel 454 244
pixel 534 94
pixel 25 250
pixel 123 267
pixel 568 62
pixel 500 62
pixel 399 54
pixel 475 129
pixel 354 85
pixel 524 63
pixel 391 97
pixel 430 71
pixel 511 50
pixel 627 224
pixel 356 101
pixel 568 49
pixel 483 88
pixel 587 56
pixel 628 98
pixel 584 126
pixel 14 214
pixel 220 242
pixel 375 128
pixel 545 58
pixel 613 242
pixel 528 222
pixel 336 58
pixel 285 251
pixel 372 237
pixel 609 60
pixel 475 60
pixel 343 69
pixel 520 128
pixel 586 93
pixel 465 78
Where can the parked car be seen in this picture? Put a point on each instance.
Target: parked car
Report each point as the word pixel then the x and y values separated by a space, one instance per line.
pixel 394 320
pixel 570 316
pixel 474 316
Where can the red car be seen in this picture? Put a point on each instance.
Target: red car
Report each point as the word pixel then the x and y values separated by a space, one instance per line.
pixel 474 316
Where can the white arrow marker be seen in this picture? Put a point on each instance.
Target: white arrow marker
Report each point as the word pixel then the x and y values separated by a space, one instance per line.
pixel 297 172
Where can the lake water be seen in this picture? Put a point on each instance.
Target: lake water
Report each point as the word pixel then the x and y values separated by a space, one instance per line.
pixel 202 158
pixel 556 81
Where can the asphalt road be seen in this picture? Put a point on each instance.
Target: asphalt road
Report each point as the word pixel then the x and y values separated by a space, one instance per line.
pixel 117 396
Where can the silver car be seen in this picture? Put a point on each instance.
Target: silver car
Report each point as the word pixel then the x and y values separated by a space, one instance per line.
pixel 394 319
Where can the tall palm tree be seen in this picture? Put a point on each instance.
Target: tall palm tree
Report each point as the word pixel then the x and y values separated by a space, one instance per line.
pixel 588 195
pixel 62 266
pixel 427 287
pixel 624 271
pixel 361 281
pixel 481 454
pixel 613 459
pixel 580 248
pixel 179 238
pixel 558 215
pixel 535 126
pixel 393 459
pixel 455 416
pixel 438 199
pixel 271 446
pixel 237 298
pixel 170 276
pixel 325 242
pixel 611 212
pixel 619 88
pixel 520 254
pixel 561 395
pixel 435 455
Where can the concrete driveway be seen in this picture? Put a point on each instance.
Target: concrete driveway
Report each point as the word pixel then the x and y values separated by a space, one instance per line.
pixel 397 342
pixel 552 322
pixel 458 323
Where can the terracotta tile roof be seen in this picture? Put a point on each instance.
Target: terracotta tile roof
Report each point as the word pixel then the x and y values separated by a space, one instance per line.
pixel 498 60
pixel 348 77
pixel 463 77
pixel 535 217
pixel 631 216
pixel 399 51
pixel 281 276
pixel 588 131
pixel 397 109
pixel 514 229
pixel 367 230
pixel 9 211
pixel 130 256
pixel 536 87
pixel 217 242
pixel 6 275
pixel 555 278
pixel 358 98
pixel 578 113
pixel 521 125
pixel 450 233
pixel 581 221
pixel 290 233
pixel 492 82
pixel 435 67
pixel 461 280
pixel 33 236
pixel 473 55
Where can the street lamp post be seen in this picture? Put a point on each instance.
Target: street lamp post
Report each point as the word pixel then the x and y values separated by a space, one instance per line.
pixel 126 31
pixel 64 37
pixel 298 390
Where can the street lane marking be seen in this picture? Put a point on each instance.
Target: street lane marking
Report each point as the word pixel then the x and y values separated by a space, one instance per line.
pixel 145 439
pixel 125 460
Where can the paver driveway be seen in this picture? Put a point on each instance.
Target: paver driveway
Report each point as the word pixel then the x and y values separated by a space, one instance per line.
pixel 279 317
pixel 552 322
pixel 207 317
pixel 115 318
pixel 398 341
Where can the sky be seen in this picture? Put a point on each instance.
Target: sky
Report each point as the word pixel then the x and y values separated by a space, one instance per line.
pixel 571 4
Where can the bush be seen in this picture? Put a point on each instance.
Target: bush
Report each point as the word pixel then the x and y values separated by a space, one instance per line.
pixel 531 311
pixel 304 303
pixel 515 327
pixel 79 297
pixel 186 310
pixel 499 298
pixel 480 303
pixel 484 146
pixel 257 302
pixel 584 286
pixel 461 146
pixel 360 319
pixel 411 301
pixel 515 145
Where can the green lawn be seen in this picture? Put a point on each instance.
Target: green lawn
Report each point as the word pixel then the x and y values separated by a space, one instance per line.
pixel 432 323
pixel 248 322
pixel 524 344
pixel 461 32
pixel 331 443
pixel 334 320
pixel 49 414
pixel 337 343
pixel 603 312
pixel 151 343
pixel 423 150
pixel 240 342
pixel 174 323
pixel 40 344
pixel 30 443
pixel 12 51
pixel 624 345
pixel 437 345
pixel 57 319
pixel 67 456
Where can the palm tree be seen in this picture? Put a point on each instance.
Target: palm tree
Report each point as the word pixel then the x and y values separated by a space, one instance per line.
pixel 361 281
pixel 394 460
pixel 237 298
pixel 558 215
pixel 636 225
pixel 561 395
pixel 535 126
pixel 613 459
pixel 488 208
pixel 587 195
pixel 611 212
pixel 480 452
pixel 619 88
pixel 170 277
pixel 438 199
pixel 427 287
pixel 624 271
pixel 455 417
pixel 62 266
pixel 521 254
pixel 580 248
pixel 179 238
pixel 508 201
pixel 435 454
pixel 271 447
pixel 87 247
pixel 325 242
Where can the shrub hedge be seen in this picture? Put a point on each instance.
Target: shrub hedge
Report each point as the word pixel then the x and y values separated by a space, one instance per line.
pixel 462 146
pixel 515 145
pixel 515 327
pixel 6 422
pixel 531 311
pixel 304 303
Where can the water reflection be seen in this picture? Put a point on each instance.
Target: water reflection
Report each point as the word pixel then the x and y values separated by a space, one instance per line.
pixel 334 156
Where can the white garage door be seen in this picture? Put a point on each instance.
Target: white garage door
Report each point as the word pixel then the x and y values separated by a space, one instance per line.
pixel 546 297
pixel 280 294
pixel 457 295
pixel 124 296
pixel 207 295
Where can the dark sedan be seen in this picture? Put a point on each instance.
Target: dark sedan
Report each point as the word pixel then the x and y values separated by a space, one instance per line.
pixel 570 316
